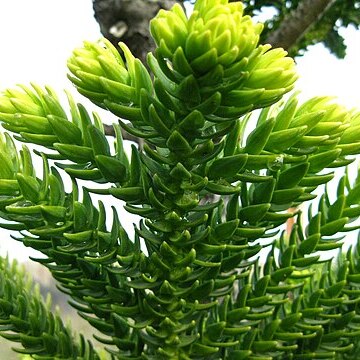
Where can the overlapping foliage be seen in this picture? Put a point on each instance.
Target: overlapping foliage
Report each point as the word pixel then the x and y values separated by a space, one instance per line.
pixel 209 271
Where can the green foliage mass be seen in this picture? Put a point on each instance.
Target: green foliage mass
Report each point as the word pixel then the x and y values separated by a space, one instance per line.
pixel 210 272
pixel 25 318
pixel 326 30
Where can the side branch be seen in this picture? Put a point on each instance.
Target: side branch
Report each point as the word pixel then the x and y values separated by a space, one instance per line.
pixel 298 22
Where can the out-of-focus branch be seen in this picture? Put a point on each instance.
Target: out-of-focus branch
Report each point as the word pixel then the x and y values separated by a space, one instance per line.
pixel 109 131
pixel 298 22
pixel 128 21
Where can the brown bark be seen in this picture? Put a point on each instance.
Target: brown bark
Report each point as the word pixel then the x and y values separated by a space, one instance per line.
pixel 298 22
pixel 128 21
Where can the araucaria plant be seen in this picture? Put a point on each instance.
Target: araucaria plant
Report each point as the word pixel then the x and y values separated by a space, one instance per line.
pixel 214 269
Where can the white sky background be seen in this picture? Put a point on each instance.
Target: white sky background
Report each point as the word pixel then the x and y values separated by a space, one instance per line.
pixel 37 37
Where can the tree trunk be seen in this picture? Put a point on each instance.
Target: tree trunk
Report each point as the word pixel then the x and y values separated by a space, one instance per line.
pixel 298 22
pixel 128 21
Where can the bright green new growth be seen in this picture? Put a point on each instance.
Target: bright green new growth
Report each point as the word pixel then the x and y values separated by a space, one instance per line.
pixel 189 284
